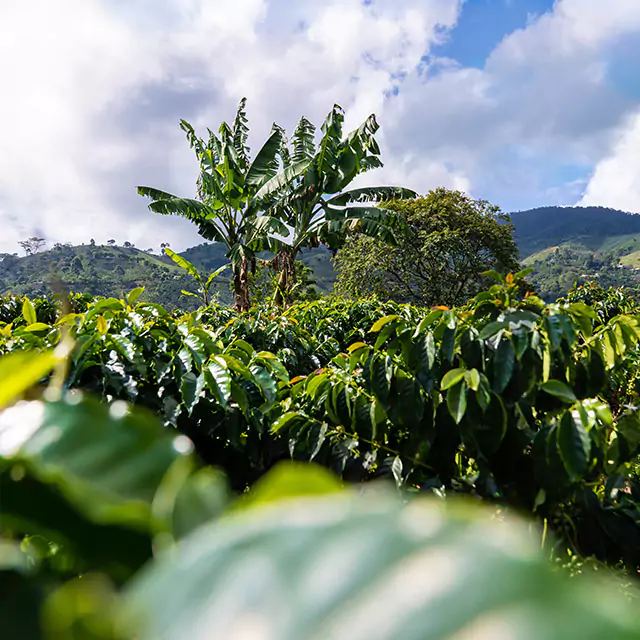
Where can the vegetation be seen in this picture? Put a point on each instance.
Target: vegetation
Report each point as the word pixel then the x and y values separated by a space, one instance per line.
pixel 290 186
pixel 112 270
pixel 451 241
pixel 204 283
pixel 265 284
pixel 309 195
pixel 505 399
pixel 103 271
pixel 545 227
pixel 566 245
pixel 457 471
pixel 226 209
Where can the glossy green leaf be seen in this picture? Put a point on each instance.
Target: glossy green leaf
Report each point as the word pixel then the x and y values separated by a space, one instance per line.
pixel 416 572
pixel 133 296
pixel 29 312
pixel 560 390
pixel 218 379
pixel 472 378
pixel 265 382
pixel 457 401
pixel 191 388
pixel 37 327
pixel 381 377
pixel 503 363
pixel 379 324
pixel 574 444
pixel 451 378
pixel 287 421
pixel 21 370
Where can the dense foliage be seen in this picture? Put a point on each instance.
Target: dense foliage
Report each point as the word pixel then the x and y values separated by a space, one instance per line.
pixel 311 196
pixel 101 520
pixel 450 241
pixel 517 402
pixel 226 208
pixel 100 271
pixel 251 205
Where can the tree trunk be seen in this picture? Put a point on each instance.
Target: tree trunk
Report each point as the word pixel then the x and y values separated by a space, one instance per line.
pixel 241 286
pixel 286 261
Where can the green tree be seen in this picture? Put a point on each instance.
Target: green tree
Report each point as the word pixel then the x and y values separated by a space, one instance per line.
pixel 226 208
pixel 451 240
pixel 32 245
pixel 309 195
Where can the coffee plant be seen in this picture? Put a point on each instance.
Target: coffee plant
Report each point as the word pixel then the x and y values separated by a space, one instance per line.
pixel 509 401
pixel 112 530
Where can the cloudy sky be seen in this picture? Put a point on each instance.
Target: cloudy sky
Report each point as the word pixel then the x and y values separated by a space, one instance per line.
pixel 522 102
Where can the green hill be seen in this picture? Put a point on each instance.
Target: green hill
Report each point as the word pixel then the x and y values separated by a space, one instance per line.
pixel 567 245
pixel 538 229
pixel 564 245
pixel 99 270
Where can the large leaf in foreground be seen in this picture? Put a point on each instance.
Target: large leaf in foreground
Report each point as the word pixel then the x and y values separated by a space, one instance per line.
pixel 368 567
pixel 21 370
pixel 37 508
pixel 107 461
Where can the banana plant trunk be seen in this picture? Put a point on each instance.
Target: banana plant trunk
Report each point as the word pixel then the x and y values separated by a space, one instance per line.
pixel 241 286
pixel 286 263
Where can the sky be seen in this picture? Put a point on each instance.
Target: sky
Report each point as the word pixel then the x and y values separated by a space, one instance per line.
pixel 524 103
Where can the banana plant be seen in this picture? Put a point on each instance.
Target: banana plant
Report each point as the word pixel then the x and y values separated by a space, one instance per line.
pixel 226 208
pixel 309 194
pixel 203 285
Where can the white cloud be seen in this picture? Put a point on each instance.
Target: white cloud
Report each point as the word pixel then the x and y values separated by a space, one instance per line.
pixel 615 181
pixel 93 91
pixel 97 87
pixel 61 65
pixel 543 104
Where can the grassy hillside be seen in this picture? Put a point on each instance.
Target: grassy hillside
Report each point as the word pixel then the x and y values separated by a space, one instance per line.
pixel 538 229
pixel 99 270
pixel 564 245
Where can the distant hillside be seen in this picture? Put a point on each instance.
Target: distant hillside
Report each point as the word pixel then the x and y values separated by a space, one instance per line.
pixel 114 271
pixel 564 245
pixel 567 245
pixel 538 229
pixel 99 270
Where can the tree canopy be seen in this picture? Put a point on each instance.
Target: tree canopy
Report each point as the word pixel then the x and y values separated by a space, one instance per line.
pixel 311 194
pixel 226 209
pixel 451 240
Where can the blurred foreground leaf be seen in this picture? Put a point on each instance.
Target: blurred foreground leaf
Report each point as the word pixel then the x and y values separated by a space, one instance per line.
pixel 347 566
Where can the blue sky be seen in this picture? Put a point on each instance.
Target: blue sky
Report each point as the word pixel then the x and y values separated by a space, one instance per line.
pixel 522 102
pixel 483 24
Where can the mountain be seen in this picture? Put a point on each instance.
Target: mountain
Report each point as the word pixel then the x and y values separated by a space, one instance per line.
pixel 568 245
pixel 538 229
pixel 564 245
pixel 99 270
